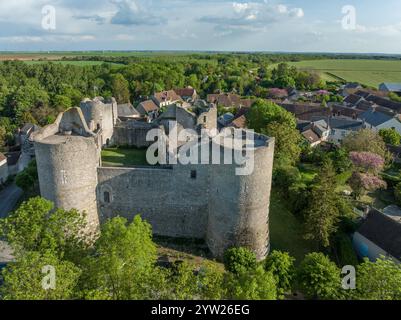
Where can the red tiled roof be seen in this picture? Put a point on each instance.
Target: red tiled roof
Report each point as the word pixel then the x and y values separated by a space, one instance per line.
pixel 247 103
pixel 149 106
pixel 239 123
pixel 169 95
pixel 225 99
pixel 185 92
pixel 311 136
pixel 305 111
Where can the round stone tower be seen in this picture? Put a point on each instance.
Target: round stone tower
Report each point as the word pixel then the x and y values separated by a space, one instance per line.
pixel 67 157
pixel 239 204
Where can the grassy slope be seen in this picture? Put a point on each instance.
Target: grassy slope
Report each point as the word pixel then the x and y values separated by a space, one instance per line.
pixel 286 232
pixel 119 157
pixel 369 72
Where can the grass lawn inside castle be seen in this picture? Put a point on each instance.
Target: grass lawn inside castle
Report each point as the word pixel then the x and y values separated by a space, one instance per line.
pixel 124 157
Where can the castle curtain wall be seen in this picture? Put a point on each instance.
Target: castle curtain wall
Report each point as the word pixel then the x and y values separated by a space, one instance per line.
pixel 171 200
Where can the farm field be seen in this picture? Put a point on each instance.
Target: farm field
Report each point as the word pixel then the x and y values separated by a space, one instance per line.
pixel 57 55
pixel 367 72
pixel 73 63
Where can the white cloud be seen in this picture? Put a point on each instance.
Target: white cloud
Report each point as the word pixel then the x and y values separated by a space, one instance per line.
pixel 282 8
pixel 253 15
pixel 297 12
pixel 129 12
pixel 240 7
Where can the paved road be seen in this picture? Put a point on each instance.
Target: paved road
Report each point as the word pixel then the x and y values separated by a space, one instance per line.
pixel 8 199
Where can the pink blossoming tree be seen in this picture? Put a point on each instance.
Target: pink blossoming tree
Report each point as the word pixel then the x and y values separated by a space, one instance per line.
pixel 362 183
pixel 367 161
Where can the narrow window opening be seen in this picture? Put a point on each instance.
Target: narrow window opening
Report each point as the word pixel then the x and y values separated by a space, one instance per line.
pixel 106 197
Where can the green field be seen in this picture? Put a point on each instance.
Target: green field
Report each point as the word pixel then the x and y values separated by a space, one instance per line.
pixel 368 72
pixel 123 157
pixel 73 63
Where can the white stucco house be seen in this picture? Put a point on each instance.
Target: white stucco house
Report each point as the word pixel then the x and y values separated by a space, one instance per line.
pixel 341 128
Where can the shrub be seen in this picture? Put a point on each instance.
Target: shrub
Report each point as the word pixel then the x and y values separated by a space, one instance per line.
pixel 237 260
pixel 397 193
pixel 281 265
pixel 319 277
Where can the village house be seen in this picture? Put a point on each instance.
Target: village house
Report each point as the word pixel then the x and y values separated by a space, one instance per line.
pixel 352 100
pixel 304 110
pixel 350 88
pixel 229 100
pixel 390 87
pixel 342 127
pixel 377 120
pixel 312 138
pixel 187 94
pixel 345 111
pixel 314 132
pixel 166 98
pixel 379 235
pixel 148 109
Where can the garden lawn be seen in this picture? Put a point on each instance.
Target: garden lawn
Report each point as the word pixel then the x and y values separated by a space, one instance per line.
pixel 286 231
pixel 123 157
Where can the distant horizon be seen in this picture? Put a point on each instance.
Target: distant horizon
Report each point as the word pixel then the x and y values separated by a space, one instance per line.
pixel 205 51
pixel 276 26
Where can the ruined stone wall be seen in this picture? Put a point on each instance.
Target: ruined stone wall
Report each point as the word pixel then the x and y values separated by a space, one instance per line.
pixel 133 136
pixel 208 119
pixel 171 200
pixel 100 116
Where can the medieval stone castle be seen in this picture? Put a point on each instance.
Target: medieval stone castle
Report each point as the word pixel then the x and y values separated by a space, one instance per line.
pixel 203 201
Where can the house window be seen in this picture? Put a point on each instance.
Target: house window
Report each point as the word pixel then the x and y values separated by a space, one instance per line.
pixel 193 174
pixel 106 197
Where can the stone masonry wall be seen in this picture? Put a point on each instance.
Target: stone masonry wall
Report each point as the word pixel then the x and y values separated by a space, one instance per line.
pixel 172 201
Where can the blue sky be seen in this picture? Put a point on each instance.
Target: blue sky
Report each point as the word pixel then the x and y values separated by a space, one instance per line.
pixel 258 25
